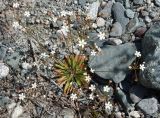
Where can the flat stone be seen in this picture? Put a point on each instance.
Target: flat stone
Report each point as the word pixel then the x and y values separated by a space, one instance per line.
pixel 114 41
pixel 137 93
pixel 100 22
pixel 119 14
pixel 138 2
pixel 130 13
pixel 113 61
pixel 148 106
pixel 116 30
pixel 106 11
pixel 150 77
pixel 93 10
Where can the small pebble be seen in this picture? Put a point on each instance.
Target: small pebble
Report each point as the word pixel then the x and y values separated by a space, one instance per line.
pixel 147 19
pixel 116 30
pixel 130 13
pixel 100 22
pixel 4 70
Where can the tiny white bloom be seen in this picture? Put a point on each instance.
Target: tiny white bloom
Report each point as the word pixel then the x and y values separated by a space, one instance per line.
pixel 94 25
pixel 44 55
pixel 22 96
pixel 130 67
pixel 15 25
pixel 137 54
pixel 15 5
pixel 34 85
pixel 106 88
pixel 101 35
pixel 108 107
pixel 82 43
pixel 73 96
pixel 92 87
pixel 142 67
pixel 88 78
pixel 92 70
pixel 93 53
pixel 54 19
pixel 52 52
pixel 63 13
pixel 91 96
pixel 70 13
pixel 27 14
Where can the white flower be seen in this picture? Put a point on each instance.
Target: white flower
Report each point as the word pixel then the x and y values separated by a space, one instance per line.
pixel 108 107
pixel 101 35
pixel 93 53
pixel 44 55
pixel 22 96
pixel 134 114
pixel 63 13
pixel 142 67
pixel 54 19
pixel 92 87
pixel 82 43
pixel 70 13
pixel 88 78
pixel 73 96
pixel 53 52
pixel 137 54
pixel 106 89
pixel 91 96
pixel 34 85
pixel 15 5
pixel 16 25
pixel 94 25
pixel 27 14
pixel 130 67
pixel 92 70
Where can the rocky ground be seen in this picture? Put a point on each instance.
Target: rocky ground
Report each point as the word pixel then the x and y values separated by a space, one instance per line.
pixel 120 38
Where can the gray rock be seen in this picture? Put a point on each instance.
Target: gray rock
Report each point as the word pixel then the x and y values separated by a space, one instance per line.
pixel 137 93
pixel 119 14
pixel 3 50
pixel 150 77
pixel 138 2
pixel 130 13
pixel 123 99
pixel 93 10
pixel 116 30
pixel 114 41
pixel 82 2
pixel 112 63
pixel 2 4
pixel 148 106
pixel 4 70
pixel 4 101
pixel 66 113
pixel 106 11
pixel 134 24
pixel 148 19
pixel 157 2
pixel 13 60
pixel 100 22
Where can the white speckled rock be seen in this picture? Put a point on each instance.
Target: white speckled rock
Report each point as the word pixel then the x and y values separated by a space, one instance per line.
pixel 93 10
pixel 100 22
pixel 4 70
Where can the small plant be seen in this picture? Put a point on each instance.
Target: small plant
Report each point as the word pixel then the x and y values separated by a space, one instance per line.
pixel 70 72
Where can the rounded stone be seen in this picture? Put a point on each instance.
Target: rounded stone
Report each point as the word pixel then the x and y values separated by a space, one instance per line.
pixel 100 22
pixel 4 70
pixel 130 13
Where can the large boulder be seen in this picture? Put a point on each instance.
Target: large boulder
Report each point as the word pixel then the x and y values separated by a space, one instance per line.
pixel 150 77
pixel 113 61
